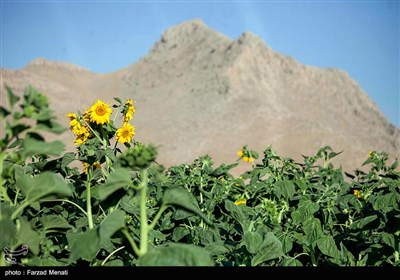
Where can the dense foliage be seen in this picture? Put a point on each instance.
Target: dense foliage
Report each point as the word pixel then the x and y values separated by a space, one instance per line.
pixel 121 208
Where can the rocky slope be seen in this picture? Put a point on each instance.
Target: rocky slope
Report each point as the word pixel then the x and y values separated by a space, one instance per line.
pixel 198 92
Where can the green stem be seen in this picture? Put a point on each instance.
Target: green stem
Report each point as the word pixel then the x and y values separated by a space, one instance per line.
pixel 88 198
pixel 69 201
pixel 3 189
pixel 19 209
pixel 112 253
pixel 144 227
pixel 158 216
pixel 131 242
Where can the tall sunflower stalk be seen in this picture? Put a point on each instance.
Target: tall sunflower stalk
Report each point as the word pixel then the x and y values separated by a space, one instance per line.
pixel 94 130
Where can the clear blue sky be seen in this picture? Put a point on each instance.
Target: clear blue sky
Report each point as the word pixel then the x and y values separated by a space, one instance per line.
pixel 360 37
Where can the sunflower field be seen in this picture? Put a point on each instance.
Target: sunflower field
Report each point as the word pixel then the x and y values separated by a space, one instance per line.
pixel 119 207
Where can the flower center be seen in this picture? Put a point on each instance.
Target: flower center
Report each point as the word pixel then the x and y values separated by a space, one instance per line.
pixel 125 134
pixel 100 111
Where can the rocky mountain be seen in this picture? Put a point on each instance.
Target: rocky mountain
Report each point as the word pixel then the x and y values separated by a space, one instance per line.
pixel 200 92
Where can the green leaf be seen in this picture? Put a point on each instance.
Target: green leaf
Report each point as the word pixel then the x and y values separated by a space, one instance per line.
pixel 181 197
pixel 287 242
pixel 385 202
pixel 12 98
pixel 285 188
pixel 312 229
pixel 176 254
pixel 27 236
pixel 389 240
pixel 327 246
pixel 120 178
pixel 362 223
pixel 131 204
pixel 179 233
pixel 252 241
pixel 289 261
pixel 85 245
pixel 304 211
pixel 67 159
pixel 34 147
pixel 45 185
pixel 55 221
pixel 236 213
pixel 112 223
pixel 114 263
pixel 271 248
pixel 8 231
pixel 49 261
pixel 50 127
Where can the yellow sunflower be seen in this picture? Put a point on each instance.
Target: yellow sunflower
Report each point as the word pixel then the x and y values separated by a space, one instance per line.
pixel 130 110
pixel 240 153
pixel 81 133
pixel 357 193
pixel 240 202
pixel 125 133
pixel 86 166
pixel 248 159
pixel 100 112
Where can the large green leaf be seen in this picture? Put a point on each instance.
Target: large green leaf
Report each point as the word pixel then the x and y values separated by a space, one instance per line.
pixel 176 254
pixel 120 178
pixel 289 261
pixel 179 233
pixel 271 248
pixel 27 236
pixel 386 202
pixel 85 245
pixel 362 223
pixel 312 229
pixel 8 231
pixel 112 223
pixel 327 246
pixel 45 185
pixel 181 197
pixel 35 147
pixel 237 213
pixel 252 241
pixel 55 221
pixel 284 188
pixel 304 211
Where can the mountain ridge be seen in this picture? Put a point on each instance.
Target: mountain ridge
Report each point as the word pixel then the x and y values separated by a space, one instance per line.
pixel 213 95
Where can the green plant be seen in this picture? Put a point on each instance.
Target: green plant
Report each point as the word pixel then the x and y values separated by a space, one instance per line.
pixel 123 209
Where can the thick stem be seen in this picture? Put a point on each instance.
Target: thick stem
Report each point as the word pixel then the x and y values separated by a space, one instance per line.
pixel 144 227
pixel 88 198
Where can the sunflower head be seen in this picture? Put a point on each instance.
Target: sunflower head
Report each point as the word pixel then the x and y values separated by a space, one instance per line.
pixel 240 202
pixel 129 110
pixel 100 112
pixel 125 133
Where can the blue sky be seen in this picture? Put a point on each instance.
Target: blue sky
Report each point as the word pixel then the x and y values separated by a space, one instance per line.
pixel 359 37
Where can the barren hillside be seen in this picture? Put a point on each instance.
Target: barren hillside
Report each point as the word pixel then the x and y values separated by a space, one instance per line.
pixel 198 92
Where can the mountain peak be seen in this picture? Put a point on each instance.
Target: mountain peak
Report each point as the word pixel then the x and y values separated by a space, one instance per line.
pixel 191 32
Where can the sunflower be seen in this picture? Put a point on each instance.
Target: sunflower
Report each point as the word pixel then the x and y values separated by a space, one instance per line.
pixel 81 133
pixel 73 120
pixel 100 112
pixel 125 133
pixel 86 166
pixel 240 153
pixel 130 110
pixel 248 159
pixel 240 202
